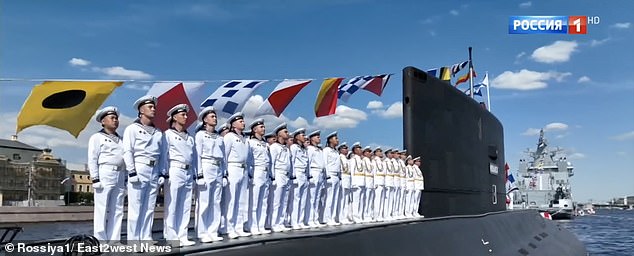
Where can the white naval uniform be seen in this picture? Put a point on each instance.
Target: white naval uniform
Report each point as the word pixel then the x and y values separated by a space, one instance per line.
pixel 105 162
pixel 389 189
pixel 181 159
pixel 369 169
pixel 143 151
pixel 333 184
pixel 299 163
pixel 409 204
pixel 419 184
pixel 403 178
pixel 317 165
pixel 379 192
pixel 344 208
pixel 258 161
pixel 358 188
pixel 397 188
pixel 236 149
pixel 280 166
pixel 210 149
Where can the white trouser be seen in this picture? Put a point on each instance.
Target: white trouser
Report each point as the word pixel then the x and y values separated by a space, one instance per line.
pixel 358 202
pixel 208 205
pixel 280 199
pixel 333 188
pixel 379 202
pixel 314 188
pixel 368 213
pixel 298 212
pixel 417 198
pixel 404 201
pixel 397 201
pixel 260 195
pixel 269 206
pixel 178 203
pixel 141 203
pixel 389 202
pixel 237 185
pixel 109 203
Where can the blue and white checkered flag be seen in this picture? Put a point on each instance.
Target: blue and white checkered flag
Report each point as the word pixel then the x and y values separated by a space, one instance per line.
pixel 353 85
pixel 230 97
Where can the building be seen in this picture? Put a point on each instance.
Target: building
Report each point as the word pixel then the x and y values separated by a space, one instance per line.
pixel 29 172
pixel 81 181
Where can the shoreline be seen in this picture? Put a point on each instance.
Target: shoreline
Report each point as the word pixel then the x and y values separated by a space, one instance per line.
pixel 19 215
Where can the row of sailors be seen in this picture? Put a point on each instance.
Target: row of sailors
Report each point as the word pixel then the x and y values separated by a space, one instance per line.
pixel 269 182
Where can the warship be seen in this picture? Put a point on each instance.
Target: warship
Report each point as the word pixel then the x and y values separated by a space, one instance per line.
pixel 462 146
pixel 544 181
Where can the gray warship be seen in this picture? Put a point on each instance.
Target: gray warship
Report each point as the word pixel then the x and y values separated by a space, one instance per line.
pixel 544 181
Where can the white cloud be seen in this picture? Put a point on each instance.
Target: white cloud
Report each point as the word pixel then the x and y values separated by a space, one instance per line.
pixel 139 87
pixel 559 51
pixel 78 62
pixel 584 79
pixel 344 117
pixel 375 104
pixel 526 4
pixel 526 79
pixel 393 111
pixel 519 55
pixel 121 72
pixel 624 136
pixel 624 25
pixel 531 132
pixel 595 42
pixel 454 12
pixel 576 156
pixel 429 20
pixel 551 127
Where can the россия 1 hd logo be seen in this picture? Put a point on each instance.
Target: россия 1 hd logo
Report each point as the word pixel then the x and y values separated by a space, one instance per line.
pixel 551 24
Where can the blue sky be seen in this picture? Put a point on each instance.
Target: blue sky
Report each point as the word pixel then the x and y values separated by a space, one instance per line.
pixel 579 87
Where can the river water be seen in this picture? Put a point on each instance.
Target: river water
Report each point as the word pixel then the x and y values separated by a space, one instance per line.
pixel 608 232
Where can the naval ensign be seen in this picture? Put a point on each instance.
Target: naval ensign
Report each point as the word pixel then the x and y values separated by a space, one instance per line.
pixel 105 163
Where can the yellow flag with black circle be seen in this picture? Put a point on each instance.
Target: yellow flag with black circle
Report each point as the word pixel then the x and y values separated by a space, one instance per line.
pixel 67 105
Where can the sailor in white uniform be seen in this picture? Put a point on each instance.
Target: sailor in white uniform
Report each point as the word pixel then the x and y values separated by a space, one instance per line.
pixel 301 175
pixel 368 169
pixel 409 203
pixel 105 163
pixel 316 181
pixel 358 183
pixel 281 171
pixel 344 204
pixel 333 179
pixel 397 184
pixel 143 151
pixel 270 139
pixel 389 185
pixel 181 161
pixel 379 184
pixel 236 149
pixel 419 185
pixel 224 198
pixel 403 181
pixel 210 150
pixel 258 161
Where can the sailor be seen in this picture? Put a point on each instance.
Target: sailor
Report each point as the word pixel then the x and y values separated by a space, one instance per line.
pixel 105 163
pixel 316 164
pixel 368 169
pixel 226 194
pixel 344 212
pixel 259 163
pixel 280 170
pixel 210 152
pixel 181 161
pixel 143 155
pixel 419 185
pixel 403 183
pixel 379 184
pixel 409 187
pixel 224 129
pixel 389 185
pixel 333 179
pixel 358 183
pixel 397 184
pixel 270 138
pixel 300 177
pixel 236 156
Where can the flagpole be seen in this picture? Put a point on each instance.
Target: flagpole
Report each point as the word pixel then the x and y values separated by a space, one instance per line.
pixel 488 92
pixel 471 73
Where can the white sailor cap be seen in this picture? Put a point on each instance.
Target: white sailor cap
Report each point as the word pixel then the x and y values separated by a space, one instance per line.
pixel 147 99
pixel 404 151
pixel 298 132
pixel 235 117
pixel 269 135
pixel 314 133
pixel 367 148
pixel 388 150
pixel 205 111
pixel 332 134
pixel 200 126
pixel 256 122
pixel 175 110
pixel 377 149
pixel 356 144
pixel 109 110
pixel 417 158
pixel 342 145
pixel 409 157
pixel 223 127
pixel 280 127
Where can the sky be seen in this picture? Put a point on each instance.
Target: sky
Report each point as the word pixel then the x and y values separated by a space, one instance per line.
pixel 579 88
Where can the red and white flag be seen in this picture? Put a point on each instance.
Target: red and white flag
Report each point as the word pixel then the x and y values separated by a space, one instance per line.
pixel 377 84
pixel 281 96
pixel 170 94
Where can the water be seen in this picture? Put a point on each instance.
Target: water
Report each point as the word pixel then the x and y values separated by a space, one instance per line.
pixel 608 232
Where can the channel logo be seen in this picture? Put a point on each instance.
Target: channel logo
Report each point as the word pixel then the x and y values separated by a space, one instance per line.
pixel 551 24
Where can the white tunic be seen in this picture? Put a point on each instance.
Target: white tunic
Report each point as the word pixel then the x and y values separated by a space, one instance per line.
pixel 419 184
pixel 180 150
pixel 236 148
pixel 357 172
pixel 104 149
pixel 368 169
pixel 346 175
pixel 379 175
pixel 209 146
pixel 299 160
pixel 280 160
pixel 397 173
pixel 143 144
pixel 258 153
pixel 333 163
pixel 389 172
pixel 315 158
